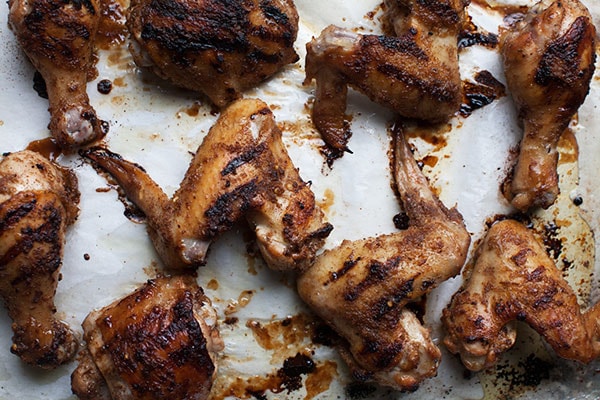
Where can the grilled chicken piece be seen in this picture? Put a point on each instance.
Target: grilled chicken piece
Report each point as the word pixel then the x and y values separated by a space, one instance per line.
pixel 216 47
pixel 512 278
pixel 549 61
pixel 38 200
pixel 362 288
pixel 58 37
pixel 160 342
pixel 241 169
pixel 414 73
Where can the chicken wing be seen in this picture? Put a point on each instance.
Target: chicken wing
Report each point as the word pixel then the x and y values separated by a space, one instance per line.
pixel 549 61
pixel 216 47
pixel 38 200
pixel 58 37
pixel 512 278
pixel 159 342
pixel 362 288
pixel 241 169
pixel 414 73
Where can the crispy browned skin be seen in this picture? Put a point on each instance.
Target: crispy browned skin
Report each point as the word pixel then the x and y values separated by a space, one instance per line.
pixel 414 73
pixel 512 278
pixel 361 287
pixel 216 47
pixel 549 61
pixel 160 342
pixel 37 201
pixel 58 37
pixel 241 169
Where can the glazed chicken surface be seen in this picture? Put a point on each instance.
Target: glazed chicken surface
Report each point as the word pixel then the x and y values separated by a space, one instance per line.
pixel 242 168
pixel 160 342
pixel 216 47
pixel 362 288
pixel 58 37
pixel 549 61
pixel 414 73
pixel 513 279
pixel 38 200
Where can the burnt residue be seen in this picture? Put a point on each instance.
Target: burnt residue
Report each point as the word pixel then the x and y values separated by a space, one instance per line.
pixel 39 85
pixel 529 372
pixel 483 91
pixel 104 86
pixel 401 221
pixel 551 239
pixel 293 369
pixel 468 38
pixel 357 391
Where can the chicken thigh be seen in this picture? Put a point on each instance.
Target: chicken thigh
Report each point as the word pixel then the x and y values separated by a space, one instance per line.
pixel 414 73
pixel 241 169
pixel 160 342
pixel 38 200
pixel 216 47
pixel 512 278
pixel 58 37
pixel 362 288
pixel 549 61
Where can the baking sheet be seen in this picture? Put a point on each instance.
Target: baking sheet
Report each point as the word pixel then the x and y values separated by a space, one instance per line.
pixel 262 320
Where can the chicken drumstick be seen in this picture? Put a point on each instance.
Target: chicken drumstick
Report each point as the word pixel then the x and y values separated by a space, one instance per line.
pixel 38 200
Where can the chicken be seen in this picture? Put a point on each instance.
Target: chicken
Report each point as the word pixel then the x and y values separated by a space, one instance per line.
pixel 58 37
pixel 414 73
pixel 159 342
pixel 512 278
pixel 549 61
pixel 216 47
pixel 362 288
pixel 38 200
pixel 241 169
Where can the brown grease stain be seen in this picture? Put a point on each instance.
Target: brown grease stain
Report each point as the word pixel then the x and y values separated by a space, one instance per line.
pixel 320 380
pixel 120 82
pixel 568 148
pixel 242 301
pixel 328 200
pixel 213 284
pixel 47 147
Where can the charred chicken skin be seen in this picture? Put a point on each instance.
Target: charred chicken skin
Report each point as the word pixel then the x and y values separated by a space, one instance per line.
pixel 160 342
pixel 512 278
pixel 361 288
pixel 58 37
pixel 549 61
pixel 414 73
pixel 241 169
pixel 216 47
pixel 38 200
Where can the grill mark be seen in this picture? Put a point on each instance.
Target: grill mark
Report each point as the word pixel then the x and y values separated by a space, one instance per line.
pixel 377 272
pixel 386 352
pixel 437 91
pixel 229 207
pixel 217 25
pixel 443 10
pixel 47 233
pixel 404 44
pixel 559 63
pixel 14 215
pixel 243 158
pixel 386 304
pixel 348 265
